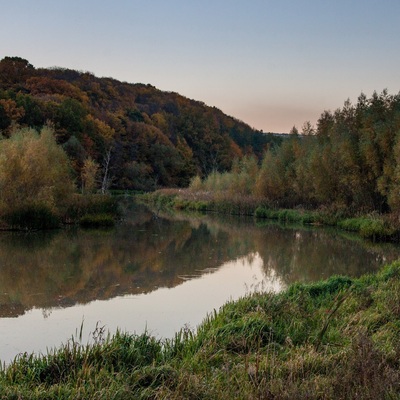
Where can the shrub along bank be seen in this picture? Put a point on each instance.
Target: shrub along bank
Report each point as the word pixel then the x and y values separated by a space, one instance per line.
pixel 37 193
pixel 371 226
pixel 334 339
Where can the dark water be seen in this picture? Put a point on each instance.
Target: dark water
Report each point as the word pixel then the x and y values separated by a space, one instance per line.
pixel 157 273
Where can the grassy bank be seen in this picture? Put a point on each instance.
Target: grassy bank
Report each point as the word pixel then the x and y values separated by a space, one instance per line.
pixel 371 226
pixel 85 210
pixel 185 199
pixel 335 339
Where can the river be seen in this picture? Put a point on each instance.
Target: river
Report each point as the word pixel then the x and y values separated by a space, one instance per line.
pixel 157 273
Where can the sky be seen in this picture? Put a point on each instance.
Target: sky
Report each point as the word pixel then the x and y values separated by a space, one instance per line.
pixel 273 64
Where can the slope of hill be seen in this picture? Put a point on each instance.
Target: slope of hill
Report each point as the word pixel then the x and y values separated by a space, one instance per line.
pixel 141 137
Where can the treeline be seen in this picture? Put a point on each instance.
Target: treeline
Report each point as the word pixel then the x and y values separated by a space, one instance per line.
pixel 37 188
pixel 137 137
pixel 349 162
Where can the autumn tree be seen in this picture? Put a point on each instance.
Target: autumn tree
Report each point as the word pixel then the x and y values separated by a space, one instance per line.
pixel 5 120
pixel 277 176
pixel 11 114
pixel 89 176
pixel 14 71
pixel 140 136
pixel 34 173
pixel 106 139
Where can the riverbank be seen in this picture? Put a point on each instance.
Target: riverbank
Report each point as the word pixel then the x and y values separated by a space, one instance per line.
pixel 334 339
pixel 87 211
pixel 372 226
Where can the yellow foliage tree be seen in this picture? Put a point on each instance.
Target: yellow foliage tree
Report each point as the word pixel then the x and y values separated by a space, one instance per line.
pixel 90 171
pixel 12 112
pixel 34 172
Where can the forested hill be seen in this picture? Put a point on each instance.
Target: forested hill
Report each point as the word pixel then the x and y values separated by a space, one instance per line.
pixel 146 137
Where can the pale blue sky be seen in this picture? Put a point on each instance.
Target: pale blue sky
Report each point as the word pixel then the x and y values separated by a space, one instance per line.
pixel 272 64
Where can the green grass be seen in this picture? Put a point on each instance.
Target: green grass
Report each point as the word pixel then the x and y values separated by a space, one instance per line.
pixel 97 221
pixel 81 206
pixel 369 227
pixel 284 215
pixel 375 227
pixel 334 339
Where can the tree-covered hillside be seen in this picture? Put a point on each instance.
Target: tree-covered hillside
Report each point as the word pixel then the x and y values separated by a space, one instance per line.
pixel 349 164
pixel 138 136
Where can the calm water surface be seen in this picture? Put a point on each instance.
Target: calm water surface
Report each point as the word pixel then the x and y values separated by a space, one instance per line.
pixel 156 273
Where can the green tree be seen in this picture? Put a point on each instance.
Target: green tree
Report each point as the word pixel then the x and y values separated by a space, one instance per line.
pixel 69 119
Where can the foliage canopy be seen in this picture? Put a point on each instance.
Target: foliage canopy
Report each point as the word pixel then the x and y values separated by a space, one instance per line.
pixel 140 137
pixel 350 162
pixel 34 172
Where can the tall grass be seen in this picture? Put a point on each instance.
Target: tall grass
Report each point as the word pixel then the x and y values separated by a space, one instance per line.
pixel 81 206
pixel 335 339
pixel 373 227
pixel 300 216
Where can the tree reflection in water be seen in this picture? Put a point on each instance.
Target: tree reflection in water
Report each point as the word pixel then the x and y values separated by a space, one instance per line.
pixel 61 276
pixel 64 268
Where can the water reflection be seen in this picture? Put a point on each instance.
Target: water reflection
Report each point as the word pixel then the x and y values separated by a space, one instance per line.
pixel 60 269
pixel 161 312
pixel 157 272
